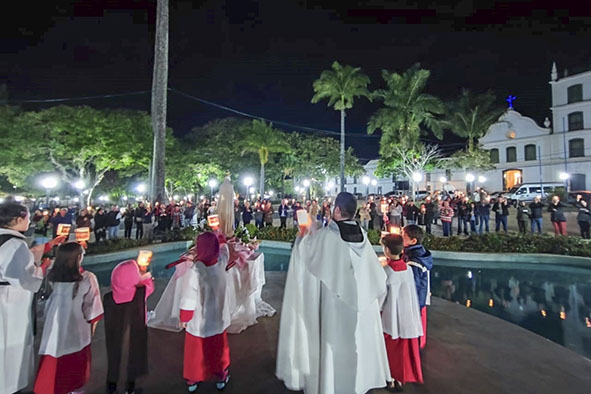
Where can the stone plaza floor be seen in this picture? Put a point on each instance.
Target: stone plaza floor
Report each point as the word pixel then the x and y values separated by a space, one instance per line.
pixel 467 352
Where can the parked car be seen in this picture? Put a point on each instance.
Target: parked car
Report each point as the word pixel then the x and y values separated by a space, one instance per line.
pixel 528 191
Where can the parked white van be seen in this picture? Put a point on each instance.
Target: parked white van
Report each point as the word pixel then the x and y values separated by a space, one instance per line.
pixel 528 191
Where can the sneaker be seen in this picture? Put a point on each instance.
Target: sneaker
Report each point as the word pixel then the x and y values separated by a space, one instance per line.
pixel 222 384
pixel 192 387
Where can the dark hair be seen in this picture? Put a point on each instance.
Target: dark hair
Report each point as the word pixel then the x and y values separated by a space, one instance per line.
pixel 394 243
pixel 347 203
pixel 414 232
pixel 11 211
pixel 65 267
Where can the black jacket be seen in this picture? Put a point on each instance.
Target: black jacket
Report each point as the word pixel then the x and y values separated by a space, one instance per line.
pixel 584 214
pixel 536 210
pixel 501 209
pixel 557 215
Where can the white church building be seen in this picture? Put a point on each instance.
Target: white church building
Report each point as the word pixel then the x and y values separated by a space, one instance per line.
pixel 523 151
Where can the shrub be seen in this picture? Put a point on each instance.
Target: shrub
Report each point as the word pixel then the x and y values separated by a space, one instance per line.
pixel 277 234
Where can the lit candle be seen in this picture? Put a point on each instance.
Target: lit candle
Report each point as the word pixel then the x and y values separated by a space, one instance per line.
pixel 384 206
pixel 491 303
pixel 394 230
pixel 144 257
pixel 468 303
pixel 213 221
pixel 82 234
pixel 63 229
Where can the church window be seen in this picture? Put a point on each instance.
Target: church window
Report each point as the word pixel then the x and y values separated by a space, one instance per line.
pixel 511 154
pixel 530 152
pixel 494 155
pixel 576 147
pixel 575 93
pixel 575 121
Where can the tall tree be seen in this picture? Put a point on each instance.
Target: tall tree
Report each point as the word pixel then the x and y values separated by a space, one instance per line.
pixel 81 143
pixel 261 138
pixel 159 90
pixel 472 115
pixel 341 86
pixel 407 111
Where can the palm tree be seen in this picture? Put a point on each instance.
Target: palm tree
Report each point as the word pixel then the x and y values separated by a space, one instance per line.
pixel 340 86
pixel 159 86
pixel 261 138
pixel 471 116
pixel 407 110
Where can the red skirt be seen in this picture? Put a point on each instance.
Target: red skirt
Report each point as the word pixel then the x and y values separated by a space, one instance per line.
pixel 206 358
pixel 63 374
pixel 423 339
pixel 404 359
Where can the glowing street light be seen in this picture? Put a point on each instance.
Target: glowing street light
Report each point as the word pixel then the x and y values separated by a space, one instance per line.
pixel 374 182
pixel 470 178
pixel 49 183
pixel 365 180
pixel 297 189
pixel 79 184
pixel 248 181
pixel 564 176
pixel 141 188
pixel 481 179
pixel 212 183
pixel 443 179
pixel 176 197
pixel 417 176
pixel 251 190
pixel 306 183
pixel 271 193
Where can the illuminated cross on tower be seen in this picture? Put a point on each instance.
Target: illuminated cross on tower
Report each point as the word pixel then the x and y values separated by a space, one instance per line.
pixel 510 100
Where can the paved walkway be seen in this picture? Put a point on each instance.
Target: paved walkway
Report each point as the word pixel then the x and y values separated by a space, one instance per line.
pixel 467 352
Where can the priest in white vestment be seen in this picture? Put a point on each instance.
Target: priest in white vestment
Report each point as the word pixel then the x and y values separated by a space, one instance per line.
pixel 330 337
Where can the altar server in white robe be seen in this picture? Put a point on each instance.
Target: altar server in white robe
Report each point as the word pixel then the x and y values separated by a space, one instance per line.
pixel 331 338
pixel 21 275
pixel 71 315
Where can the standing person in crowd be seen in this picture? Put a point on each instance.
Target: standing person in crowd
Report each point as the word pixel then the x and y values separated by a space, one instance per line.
pixel 269 214
pixel 396 213
pixel 188 213
pixel 436 209
pixel 429 214
pixel 125 313
pixel 128 217
pixel 205 314
pixel 148 225
pixel 21 274
pixel 536 214
pixel 421 261
pixel 523 215
pixel 283 213
pixel 363 215
pixel 463 216
pixel 101 222
pixel 62 217
pixel 584 218
pixel 246 213
pixel 401 317
pixel 177 218
pixel 296 207
pixel 139 214
pixel 84 219
pixel 412 213
pixel 501 209
pixel 484 214
pixel 473 215
pixel 447 214
pixel 72 312
pixel 373 214
pixel 314 210
pixel 114 221
pixel 335 281
pixel 557 216
pixel 237 212
pixel 259 214
pixel 325 213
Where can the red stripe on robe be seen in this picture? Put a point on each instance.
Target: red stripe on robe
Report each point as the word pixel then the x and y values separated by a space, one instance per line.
pixel 423 339
pixel 63 374
pixel 206 358
pixel 404 358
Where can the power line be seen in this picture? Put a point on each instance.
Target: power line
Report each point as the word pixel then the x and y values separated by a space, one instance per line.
pixel 54 100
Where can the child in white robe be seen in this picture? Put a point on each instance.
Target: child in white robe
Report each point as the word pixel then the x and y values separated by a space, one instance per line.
pixel 71 315
pixel 206 316
pixel 401 317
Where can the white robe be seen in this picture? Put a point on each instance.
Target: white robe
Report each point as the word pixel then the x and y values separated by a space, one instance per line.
pixel 401 315
pixel 331 339
pixel 204 292
pixel 17 266
pixel 67 319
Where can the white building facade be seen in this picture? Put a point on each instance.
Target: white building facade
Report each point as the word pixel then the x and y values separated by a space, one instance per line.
pixel 524 152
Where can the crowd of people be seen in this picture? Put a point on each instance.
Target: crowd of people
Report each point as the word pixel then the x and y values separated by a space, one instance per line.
pixel 471 214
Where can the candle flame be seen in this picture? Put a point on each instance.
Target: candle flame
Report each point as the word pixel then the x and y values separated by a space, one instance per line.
pixel 468 303
pixel 491 302
pixel 543 312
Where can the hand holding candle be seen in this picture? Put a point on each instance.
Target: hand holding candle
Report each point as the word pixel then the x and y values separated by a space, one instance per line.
pixel 143 259
pixel 63 229
pixel 304 221
pixel 214 222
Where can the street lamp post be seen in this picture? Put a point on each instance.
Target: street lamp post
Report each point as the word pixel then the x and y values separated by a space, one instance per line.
pixel 416 177
pixel 48 184
pixel 306 184
pixel 469 183
pixel 248 181
pixel 366 181
pixel 212 185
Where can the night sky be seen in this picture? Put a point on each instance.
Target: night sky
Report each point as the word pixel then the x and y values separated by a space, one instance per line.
pixel 262 57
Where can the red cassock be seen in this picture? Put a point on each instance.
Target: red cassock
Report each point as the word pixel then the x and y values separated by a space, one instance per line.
pixel 72 369
pixel 401 319
pixel 424 321
pixel 206 359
